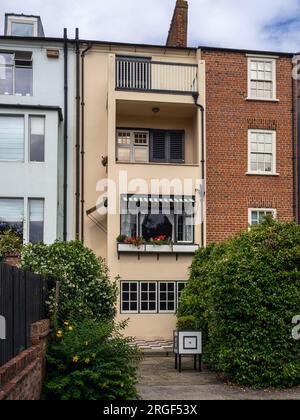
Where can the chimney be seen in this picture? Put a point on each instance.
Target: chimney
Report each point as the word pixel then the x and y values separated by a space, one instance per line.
pixel 179 26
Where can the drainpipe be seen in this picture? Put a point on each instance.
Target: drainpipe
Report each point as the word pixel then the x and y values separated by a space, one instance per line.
pixel 294 154
pixel 201 191
pixel 65 193
pixel 84 52
pixel 77 147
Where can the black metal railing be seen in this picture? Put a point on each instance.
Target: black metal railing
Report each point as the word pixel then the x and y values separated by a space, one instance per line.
pixel 22 302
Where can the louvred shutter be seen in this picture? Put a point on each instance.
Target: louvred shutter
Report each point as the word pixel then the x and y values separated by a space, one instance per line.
pixel 176 146
pixel 158 146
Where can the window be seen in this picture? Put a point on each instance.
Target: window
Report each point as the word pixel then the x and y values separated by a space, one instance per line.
pixel 148 297
pixel 153 216
pixel 129 297
pixel 37 138
pixel 36 220
pixel 133 146
pixel 256 216
pixel 167 296
pixel 262 152
pixel 22 29
pixel 11 138
pixel 12 215
pixel 165 146
pixel 180 287
pixel 261 78
pixel 16 73
pixel 22 26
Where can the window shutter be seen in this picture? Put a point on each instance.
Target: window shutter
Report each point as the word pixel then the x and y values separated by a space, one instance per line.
pixel 158 146
pixel 176 146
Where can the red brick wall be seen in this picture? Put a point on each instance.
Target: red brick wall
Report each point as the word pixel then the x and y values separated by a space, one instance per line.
pixel 177 36
pixel 230 192
pixel 22 377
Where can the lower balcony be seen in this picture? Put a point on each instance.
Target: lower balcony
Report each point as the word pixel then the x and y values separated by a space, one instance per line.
pixel 175 249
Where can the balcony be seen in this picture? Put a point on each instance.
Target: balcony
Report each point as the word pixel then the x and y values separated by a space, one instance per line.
pixel 144 75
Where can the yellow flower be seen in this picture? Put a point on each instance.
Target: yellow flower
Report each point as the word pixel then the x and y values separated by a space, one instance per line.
pixel 88 360
pixel 66 323
pixel 94 355
pixel 59 334
pixel 70 328
pixel 75 359
pixel 86 343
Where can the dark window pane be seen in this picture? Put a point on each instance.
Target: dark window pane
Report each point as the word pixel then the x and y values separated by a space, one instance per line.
pixel 144 287
pixel 133 296
pixel 152 306
pixel 125 306
pixel 163 287
pixel 144 296
pixel 126 296
pixel 133 287
pixel 152 287
pixel 144 306
pixel 171 287
pixel 163 296
pixel 171 306
pixel 170 296
pixel 37 149
pixel 163 306
pixel 125 287
pixel 16 227
pixel 133 306
pixel 155 225
pixel 36 232
pixel 152 296
pixel 23 81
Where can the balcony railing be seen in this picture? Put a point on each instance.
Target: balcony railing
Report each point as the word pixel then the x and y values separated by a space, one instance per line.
pixel 156 76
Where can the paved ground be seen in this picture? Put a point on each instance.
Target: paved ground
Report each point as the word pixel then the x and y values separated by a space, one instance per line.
pixel 158 380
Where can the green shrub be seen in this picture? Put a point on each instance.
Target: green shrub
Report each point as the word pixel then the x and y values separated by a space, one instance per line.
pixel 10 243
pixel 85 289
pixel 91 361
pixel 187 322
pixel 244 294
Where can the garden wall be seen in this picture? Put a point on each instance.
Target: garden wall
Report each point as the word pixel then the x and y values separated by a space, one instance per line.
pixel 22 377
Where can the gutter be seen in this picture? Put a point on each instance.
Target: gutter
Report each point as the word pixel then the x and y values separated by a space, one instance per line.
pixel 65 187
pixel 84 52
pixel 202 190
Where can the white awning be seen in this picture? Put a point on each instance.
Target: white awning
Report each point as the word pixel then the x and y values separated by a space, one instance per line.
pixel 156 199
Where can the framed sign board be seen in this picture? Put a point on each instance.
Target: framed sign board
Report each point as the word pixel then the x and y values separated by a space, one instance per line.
pixel 188 342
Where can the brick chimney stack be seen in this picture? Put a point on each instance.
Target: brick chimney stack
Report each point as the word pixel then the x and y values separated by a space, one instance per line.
pixel 179 26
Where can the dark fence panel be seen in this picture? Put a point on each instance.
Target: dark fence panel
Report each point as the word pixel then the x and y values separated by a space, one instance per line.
pixel 22 302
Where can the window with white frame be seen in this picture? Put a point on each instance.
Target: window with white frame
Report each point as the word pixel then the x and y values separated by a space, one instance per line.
pixel 129 297
pixel 132 146
pixel 167 297
pixel 12 133
pixel 36 220
pixel 261 78
pixel 22 26
pixel 12 215
pixel 257 216
pixel 150 296
pixel 16 76
pixel 262 152
pixel 37 138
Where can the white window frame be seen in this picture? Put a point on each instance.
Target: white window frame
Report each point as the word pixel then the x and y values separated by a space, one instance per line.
pixel 137 301
pixel 263 59
pixel 22 19
pixel 274 145
pixel 13 66
pixel 156 300
pixel 250 210
pixel 167 311
pixel 132 145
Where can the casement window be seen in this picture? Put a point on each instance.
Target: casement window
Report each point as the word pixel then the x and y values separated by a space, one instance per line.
pixel 129 297
pixel 143 146
pixel 132 146
pixel 150 296
pixel 37 138
pixel 36 220
pixel 133 72
pixel 22 26
pixel 262 152
pixel 12 133
pixel 256 216
pixel 180 287
pixel 16 73
pixel 261 78
pixel 12 215
pixel 151 217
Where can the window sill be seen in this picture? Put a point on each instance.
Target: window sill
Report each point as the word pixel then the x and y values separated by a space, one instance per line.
pixel 191 165
pixel 158 249
pixel 262 100
pixel 262 173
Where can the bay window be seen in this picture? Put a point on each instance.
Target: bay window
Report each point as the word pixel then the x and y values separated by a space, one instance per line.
pixel 153 216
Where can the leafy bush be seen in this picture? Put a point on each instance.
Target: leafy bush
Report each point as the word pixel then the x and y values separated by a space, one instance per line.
pixel 91 361
pixel 85 288
pixel 187 322
pixel 244 294
pixel 10 243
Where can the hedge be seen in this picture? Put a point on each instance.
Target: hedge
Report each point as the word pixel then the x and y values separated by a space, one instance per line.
pixel 243 294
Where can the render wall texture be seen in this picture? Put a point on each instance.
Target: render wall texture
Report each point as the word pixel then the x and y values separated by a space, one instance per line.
pixel 230 191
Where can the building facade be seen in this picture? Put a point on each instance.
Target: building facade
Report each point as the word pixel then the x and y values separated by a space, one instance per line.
pixel 32 127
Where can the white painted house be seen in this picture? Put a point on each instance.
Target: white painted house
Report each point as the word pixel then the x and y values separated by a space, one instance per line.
pixel 36 181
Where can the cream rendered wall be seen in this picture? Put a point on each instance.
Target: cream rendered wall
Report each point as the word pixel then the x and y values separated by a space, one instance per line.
pixel 101 122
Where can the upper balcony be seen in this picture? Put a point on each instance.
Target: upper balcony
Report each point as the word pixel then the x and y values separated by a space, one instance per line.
pixel 145 75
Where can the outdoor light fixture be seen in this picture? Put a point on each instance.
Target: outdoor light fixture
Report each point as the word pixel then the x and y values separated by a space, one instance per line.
pixel 155 110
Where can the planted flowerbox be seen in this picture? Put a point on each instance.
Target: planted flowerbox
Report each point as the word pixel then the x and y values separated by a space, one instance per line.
pixel 130 248
pixel 159 248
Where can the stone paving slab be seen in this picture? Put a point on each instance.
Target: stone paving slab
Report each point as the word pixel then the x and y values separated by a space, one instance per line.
pixel 158 380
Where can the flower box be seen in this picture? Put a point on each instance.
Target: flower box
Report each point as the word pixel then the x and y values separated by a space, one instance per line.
pixel 159 248
pixel 130 248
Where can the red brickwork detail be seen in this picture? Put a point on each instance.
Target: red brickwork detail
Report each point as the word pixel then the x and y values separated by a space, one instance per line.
pixel 21 378
pixel 230 191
